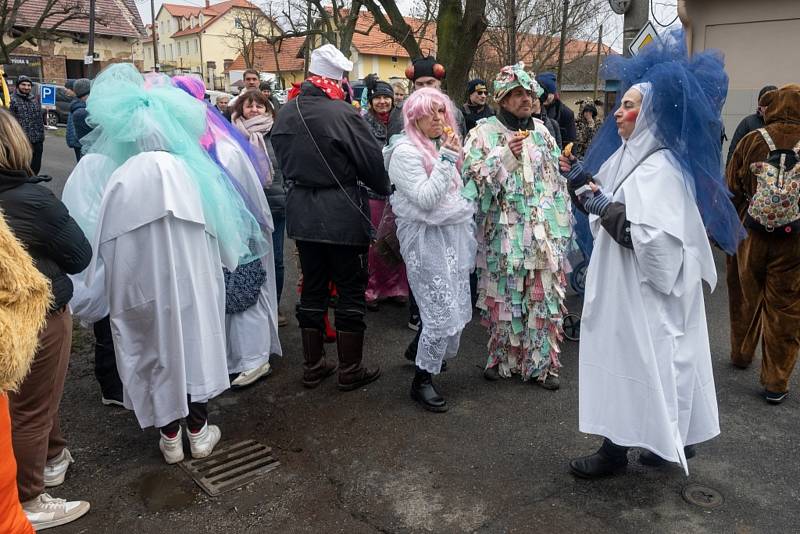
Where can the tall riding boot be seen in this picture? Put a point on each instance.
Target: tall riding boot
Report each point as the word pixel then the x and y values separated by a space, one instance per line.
pixel 353 375
pixel 423 392
pixel 315 368
pixel 609 459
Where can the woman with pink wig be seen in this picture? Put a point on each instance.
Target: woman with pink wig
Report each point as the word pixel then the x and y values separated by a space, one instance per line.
pixel 436 232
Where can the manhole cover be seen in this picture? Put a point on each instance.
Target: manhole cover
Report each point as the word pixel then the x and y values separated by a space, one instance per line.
pixel 231 467
pixel 702 496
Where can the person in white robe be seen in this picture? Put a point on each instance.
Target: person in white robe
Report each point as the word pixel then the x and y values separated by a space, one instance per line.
pixel 168 223
pixel 645 376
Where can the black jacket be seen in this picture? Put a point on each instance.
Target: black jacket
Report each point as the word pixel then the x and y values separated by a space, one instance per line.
pixel 318 207
pixel 748 124
pixel 28 111
pixel 276 193
pixel 472 114
pixel 565 118
pixel 42 223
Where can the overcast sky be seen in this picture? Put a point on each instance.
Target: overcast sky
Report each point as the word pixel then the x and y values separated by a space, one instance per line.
pixel 665 11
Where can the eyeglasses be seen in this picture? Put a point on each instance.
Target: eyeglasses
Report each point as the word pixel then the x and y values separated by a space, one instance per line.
pixel 481 92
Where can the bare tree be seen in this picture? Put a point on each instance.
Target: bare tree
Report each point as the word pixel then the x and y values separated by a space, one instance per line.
pixel 249 26
pixel 529 31
pixel 459 28
pixel 21 29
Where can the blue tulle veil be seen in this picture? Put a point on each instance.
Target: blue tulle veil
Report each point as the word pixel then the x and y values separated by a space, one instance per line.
pixel 686 106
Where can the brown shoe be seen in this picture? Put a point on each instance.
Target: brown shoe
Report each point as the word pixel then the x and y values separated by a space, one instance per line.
pixel 315 368
pixel 353 375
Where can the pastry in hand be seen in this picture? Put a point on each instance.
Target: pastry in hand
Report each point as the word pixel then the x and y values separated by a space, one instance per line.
pixel 522 134
pixel 567 150
pixel 448 131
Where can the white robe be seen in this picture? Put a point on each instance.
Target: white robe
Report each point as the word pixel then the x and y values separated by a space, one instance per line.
pixel 165 288
pixel 645 365
pixel 252 335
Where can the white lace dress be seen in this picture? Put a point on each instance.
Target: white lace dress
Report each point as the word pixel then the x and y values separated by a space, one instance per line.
pixel 436 231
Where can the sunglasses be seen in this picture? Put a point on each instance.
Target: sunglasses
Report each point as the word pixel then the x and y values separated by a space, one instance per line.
pixel 481 92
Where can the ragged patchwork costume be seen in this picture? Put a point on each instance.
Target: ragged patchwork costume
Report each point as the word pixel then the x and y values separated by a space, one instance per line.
pixel 645 364
pixel 523 234
pixel 764 275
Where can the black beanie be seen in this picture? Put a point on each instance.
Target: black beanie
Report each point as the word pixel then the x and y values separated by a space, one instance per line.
pixel 474 85
pixel 425 66
pixel 381 88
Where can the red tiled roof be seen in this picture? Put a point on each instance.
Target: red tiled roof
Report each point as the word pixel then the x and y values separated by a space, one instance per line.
pixel 119 18
pixel 378 43
pixel 214 11
pixel 288 51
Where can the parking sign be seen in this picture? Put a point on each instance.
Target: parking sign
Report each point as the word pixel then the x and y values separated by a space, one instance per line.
pixel 47 95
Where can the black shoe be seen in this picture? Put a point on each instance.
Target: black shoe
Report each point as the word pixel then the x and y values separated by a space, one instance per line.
pixel 609 459
pixel 491 374
pixel 651 459
pixel 423 392
pixel 773 397
pixel 551 382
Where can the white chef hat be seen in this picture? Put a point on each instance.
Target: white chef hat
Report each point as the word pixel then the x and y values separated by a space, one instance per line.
pixel 329 62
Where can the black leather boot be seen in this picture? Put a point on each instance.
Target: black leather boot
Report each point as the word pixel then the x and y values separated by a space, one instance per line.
pixel 651 459
pixel 423 392
pixel 609 459
pixel 315 368
pixel 353 375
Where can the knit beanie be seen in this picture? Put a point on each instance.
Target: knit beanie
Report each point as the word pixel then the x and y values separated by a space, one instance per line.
pixel 548 82
pixel 381 88
pixel 81 87
pixel 476 85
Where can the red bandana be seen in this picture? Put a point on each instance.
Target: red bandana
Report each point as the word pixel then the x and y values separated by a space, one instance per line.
pixel 328 86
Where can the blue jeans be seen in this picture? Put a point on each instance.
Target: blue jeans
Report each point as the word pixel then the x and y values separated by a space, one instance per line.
pixel 279 220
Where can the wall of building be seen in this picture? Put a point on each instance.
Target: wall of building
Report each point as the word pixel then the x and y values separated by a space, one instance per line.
pixel 760 42
pixel 383 66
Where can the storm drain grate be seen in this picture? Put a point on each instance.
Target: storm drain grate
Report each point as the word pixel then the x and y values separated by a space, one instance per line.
pixel 231 467
pixel 702 496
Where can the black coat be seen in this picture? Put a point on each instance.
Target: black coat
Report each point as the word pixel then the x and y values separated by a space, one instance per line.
pixel 318 207
pixel 472 114
pixel 28 111
pixel 559 112
pixel 748 124
pixel 42 223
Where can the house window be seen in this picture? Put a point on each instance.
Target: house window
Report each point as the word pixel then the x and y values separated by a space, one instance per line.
pixel 171 55
pixel 237 23
pixel 163 53
pixel 394 59
pixel 196 46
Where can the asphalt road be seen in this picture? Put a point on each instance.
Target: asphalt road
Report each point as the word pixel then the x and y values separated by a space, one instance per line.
pixel 372 461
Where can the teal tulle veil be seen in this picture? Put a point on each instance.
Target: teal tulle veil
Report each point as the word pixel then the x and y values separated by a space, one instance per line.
pixel 133 114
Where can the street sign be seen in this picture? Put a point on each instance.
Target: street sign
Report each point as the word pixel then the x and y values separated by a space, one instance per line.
pixel 47 95
pixel 646 35
pixel 88 60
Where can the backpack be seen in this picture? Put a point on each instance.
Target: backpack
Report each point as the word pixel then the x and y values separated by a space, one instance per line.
pixel 775 205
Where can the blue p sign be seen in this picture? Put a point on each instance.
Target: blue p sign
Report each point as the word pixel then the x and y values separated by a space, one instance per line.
pixel 47 94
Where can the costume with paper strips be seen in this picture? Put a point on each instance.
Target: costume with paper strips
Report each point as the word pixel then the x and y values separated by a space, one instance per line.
pixel 523 234
pixel 645 364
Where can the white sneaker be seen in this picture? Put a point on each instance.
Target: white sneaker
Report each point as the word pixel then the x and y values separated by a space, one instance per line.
pixel 172 448
pixel 203 442
pixel 46 512
pixel 248 377
pixel 56 469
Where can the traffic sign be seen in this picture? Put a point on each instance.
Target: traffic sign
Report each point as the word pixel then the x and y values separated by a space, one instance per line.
pixel 47 95
pixel 646 35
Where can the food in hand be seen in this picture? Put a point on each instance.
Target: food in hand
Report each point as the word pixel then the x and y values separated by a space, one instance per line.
pixel 522 134
pixel 448 131
pixel 568 150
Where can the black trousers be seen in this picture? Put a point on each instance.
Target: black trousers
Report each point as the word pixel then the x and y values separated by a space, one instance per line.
pixel 346 266
pixel 36 162
pixel 198 415
pixel 105 360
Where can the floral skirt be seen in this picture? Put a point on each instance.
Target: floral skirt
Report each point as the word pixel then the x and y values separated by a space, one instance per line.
pixel 438 262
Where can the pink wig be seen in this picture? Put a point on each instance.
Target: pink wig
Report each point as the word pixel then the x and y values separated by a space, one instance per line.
pixel 421 103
